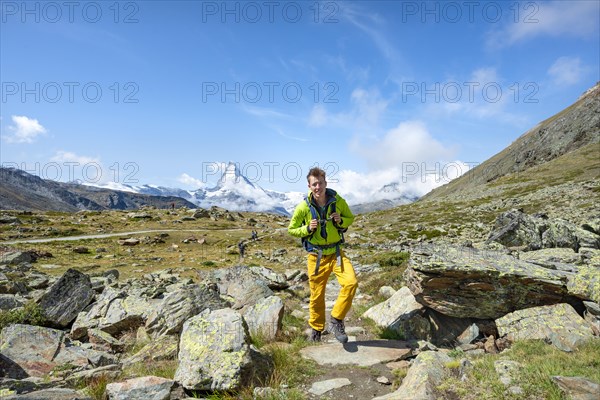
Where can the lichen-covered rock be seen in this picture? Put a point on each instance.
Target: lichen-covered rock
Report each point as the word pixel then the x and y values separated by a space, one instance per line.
pixel 28 350
pixel 577 388
pixel 514 228
pixel 144 388
pixel 241 284
pixel 274 280
pixel 466 282
pixel 66 298
pixel 558 324
pixel 214 352
pixel 9 301
pixel 113 312
pixel 265 317
pixel 162 348
pixel 423 377
pixel 401 313
pixel 585 283
pixel 180 304
pixel 51 394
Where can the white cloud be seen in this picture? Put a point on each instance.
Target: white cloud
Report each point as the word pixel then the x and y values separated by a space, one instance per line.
pixel 24 130
pixel 409 142
pixel 567 71
pixel 554 19
pixel 367 108
pixel 190 181
pixel 62 156
pixel 410 179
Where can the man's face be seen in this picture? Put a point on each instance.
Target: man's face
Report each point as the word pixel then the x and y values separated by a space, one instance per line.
pixel 317 186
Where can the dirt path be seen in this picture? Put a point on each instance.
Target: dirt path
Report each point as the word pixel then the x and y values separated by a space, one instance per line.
pixel 105 235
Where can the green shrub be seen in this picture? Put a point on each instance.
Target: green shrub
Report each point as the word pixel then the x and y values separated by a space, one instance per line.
pixel 29 314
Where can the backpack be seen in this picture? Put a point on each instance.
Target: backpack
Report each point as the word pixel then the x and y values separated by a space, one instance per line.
pixel 315 215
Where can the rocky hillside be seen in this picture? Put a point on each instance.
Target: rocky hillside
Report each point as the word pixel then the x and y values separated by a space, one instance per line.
pixel 23 191
pixel 576 127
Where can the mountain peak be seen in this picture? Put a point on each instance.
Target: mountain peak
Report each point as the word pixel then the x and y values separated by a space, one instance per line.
pixel 232 176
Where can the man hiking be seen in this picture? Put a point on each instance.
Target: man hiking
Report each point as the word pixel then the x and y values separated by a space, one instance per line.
pixel 320 221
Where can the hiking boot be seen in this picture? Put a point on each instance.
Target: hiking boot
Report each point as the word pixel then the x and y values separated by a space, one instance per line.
pixel 336 326
pixel 315 336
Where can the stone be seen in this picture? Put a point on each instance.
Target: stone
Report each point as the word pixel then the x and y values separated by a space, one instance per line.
pixel 386 291
pixel 322 387
pixel 577 388
pixel 182 303
pixel 161 349
pixel 113 312
pixel 425 375
pixel 275 281
pixel 28 350
pixel 240 284
pixel 558 324
pixel 144 388
pixel 514 228
pixel 448 279
pixel 401 313
pixel 361 353
pixel 16 257
pixel 490 345
pixel 215 354
pixel 103 341
pixel 66 298
pixel 265 317
pixel 507 370
pixel 592 315
pixel 9 301
pixel 50 394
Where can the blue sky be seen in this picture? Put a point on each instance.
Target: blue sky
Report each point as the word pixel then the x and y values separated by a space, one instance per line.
pixel 157 92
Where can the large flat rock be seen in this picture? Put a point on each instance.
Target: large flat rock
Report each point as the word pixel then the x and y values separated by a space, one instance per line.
pixel 362 353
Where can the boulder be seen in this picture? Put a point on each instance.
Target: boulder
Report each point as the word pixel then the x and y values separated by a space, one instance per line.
pixel 9 301
pixel 113 312
pixel 361 353
pixel 180 304
pixel 592 315
pixel 66 298
pixel 274 280
pixel 466 282
pixel 144 388
pixel 558 324
pixel 401 313
pixel 51 394
pixel 160 349
pixel 424 376
pixel 577 388
pixel 514 228
pixel 241 284
pixel 560 233
pixel 265 317
pixel 16 257
pixel 27 350
pixel 215 354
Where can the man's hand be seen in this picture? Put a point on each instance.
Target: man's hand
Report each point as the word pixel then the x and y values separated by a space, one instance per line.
pixel 336 217
pixel 313 225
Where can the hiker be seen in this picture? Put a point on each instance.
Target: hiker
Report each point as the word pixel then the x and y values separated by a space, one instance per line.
pixel 320 220
pixel 254 235
pixel 172 206
pixel 242 248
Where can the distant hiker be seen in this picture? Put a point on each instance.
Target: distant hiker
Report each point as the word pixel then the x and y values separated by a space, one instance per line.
pixel 173 206
pixel 254 235
pixel 320 220
pixel 242 248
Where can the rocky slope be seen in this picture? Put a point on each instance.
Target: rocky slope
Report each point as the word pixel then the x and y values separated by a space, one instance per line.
pixel 576 127
pixel 23 191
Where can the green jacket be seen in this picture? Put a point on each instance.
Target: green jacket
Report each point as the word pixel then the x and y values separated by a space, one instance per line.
pixel 300 221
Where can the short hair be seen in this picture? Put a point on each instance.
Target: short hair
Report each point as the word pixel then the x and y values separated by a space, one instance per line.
pixel 316 172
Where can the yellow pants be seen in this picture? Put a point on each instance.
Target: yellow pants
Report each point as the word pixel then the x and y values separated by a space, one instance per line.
pixel 345 276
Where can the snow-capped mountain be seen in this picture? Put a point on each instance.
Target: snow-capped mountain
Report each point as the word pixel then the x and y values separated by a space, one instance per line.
pixel 235 192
